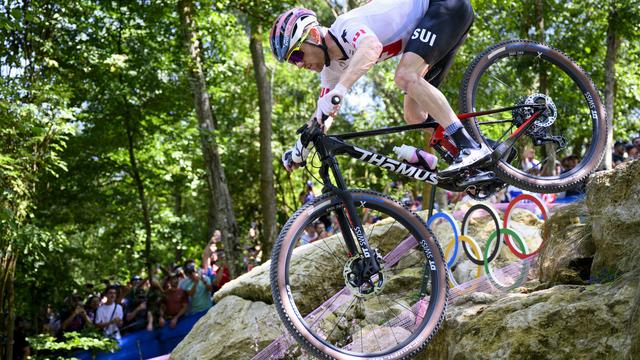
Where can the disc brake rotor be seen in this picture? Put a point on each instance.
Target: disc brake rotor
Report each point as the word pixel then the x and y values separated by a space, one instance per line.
pixel 547 118
pixel 362 288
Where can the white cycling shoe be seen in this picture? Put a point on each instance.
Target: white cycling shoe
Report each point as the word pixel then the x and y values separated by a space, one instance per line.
pixel 467 158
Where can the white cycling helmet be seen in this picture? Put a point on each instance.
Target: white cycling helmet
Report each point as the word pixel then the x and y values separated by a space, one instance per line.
pixel 288 29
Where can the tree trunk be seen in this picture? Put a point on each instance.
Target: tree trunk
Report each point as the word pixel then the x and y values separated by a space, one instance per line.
pixel 225 220
pixel 178 208
pixel 613 42
pixel 135 172
pixel 548 167
pixel 7 307
pixel 267 189
pixel 11 307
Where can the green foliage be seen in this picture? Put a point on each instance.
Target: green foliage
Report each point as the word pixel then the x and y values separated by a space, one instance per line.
pixel 68 200
pixel 95 341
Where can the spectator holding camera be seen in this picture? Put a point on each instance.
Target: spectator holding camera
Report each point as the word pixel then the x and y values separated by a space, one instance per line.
pixel 109 315
pixel 91 308
pixel 75 318
pixel 198 289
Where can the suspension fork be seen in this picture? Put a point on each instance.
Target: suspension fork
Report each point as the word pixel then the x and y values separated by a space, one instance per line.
pixel 349 219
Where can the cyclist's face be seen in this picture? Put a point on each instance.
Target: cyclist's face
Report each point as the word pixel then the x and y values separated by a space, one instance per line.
pixel 313 58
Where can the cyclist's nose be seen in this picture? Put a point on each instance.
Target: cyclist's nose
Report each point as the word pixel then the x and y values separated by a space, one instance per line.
pixel 300 64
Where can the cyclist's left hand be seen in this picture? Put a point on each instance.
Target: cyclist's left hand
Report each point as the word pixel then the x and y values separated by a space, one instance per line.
pixel 326 107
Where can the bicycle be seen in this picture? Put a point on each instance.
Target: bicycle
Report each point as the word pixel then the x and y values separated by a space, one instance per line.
pixel 378 288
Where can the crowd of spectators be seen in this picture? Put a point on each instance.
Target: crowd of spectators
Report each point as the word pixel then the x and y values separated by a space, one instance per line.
pixel 625 151
pixel 149 303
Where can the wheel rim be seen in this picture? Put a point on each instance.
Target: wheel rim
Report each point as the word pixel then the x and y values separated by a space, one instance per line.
pixel 510 73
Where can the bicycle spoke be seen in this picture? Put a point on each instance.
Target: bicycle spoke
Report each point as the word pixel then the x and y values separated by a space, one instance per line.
pixel 404 306
pixel 543 161
pixel 361 340
pixel 316 261
pixel 320 316
pixel 337 260
pixel 340 260
pixel 501 82
pixel 391 327
pixel 341 317
pixel 389 228
pixel 344 247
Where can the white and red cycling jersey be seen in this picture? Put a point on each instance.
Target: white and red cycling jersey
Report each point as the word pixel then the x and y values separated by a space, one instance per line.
pixel 391 21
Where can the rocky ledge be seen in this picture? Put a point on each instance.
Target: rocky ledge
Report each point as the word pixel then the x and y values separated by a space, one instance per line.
pixel 585 306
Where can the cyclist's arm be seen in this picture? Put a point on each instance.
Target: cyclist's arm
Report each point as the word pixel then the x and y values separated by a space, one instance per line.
pixel 366 55
pixel 365 48
pixel 328 80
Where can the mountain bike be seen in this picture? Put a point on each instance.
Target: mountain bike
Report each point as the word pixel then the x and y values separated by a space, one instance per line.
pixel 378 287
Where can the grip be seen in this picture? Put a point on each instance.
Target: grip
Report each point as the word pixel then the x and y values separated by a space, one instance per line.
pixel 335 100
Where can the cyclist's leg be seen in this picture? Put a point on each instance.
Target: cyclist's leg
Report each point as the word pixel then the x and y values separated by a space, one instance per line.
pixel 441 30
pixel 438 72
pixel 409 77
pixel 413 114
pixel 436 36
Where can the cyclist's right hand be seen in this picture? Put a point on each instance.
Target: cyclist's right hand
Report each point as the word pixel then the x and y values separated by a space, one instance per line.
pixel 295 157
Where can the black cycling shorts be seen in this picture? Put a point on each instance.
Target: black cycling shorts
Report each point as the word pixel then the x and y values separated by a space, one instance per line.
pixel 440 33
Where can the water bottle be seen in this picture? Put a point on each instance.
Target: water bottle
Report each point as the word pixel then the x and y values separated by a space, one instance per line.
pixel 416 157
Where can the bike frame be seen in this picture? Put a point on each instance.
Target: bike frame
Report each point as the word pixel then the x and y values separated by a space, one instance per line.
pixel 328 146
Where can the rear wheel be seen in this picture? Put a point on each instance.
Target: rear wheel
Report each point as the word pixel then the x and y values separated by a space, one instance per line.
pixel 334 313
pixel 566 144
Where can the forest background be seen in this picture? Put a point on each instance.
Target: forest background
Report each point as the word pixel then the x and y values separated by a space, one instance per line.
pixel 130 130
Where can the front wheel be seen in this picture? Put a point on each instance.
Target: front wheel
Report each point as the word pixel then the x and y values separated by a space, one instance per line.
pixel 566 144
pixel 335 313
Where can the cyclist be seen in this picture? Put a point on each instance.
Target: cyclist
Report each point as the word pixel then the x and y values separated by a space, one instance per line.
pixel 426 32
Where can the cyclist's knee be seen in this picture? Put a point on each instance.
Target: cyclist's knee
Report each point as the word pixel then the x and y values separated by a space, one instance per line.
pixel 405 78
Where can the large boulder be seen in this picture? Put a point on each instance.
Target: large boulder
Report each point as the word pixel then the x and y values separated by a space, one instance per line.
pixel 234 328
pixel 563 322
pixel 253 285
pixel 568 249
pixel 613 199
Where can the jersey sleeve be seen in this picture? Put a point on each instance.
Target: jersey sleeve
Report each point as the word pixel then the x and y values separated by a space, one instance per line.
pixel 351 32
